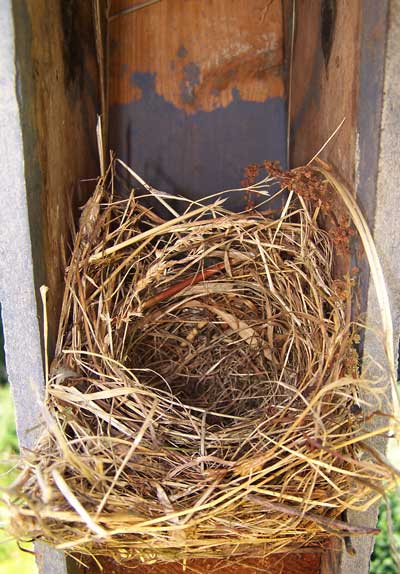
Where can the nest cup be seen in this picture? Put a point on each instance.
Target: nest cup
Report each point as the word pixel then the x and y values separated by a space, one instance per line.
pixel 204 400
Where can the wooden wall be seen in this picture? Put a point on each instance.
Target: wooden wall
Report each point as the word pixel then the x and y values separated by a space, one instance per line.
pixel 59 105
pixel 306 563
pixel 197 90
pixel 325 77
pixel 49 101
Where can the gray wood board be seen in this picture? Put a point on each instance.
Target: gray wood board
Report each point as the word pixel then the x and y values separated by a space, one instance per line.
pixel 379 194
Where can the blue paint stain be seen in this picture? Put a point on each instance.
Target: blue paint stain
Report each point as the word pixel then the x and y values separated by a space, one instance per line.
pixel 196 154
pixel 182 52
pixel 191 79
pixel 145 81
pixel 191 73
pixel 235 94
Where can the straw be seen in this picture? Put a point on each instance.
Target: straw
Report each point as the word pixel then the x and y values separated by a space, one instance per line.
pixel 206 398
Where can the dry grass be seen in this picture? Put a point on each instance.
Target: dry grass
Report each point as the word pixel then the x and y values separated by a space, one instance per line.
pixel 204 400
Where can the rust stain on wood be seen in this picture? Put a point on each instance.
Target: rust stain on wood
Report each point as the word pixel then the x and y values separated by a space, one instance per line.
pixel 200 53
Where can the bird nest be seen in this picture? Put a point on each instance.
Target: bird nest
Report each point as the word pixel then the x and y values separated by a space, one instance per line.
pixel 204 399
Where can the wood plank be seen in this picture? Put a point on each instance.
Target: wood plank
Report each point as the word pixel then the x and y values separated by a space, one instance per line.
pixel 325 83
pixel 59 71
pixel 235 44
pixel 338 71
pixel 324 91
pixel 197 90
pixel 378 193
pixel 196 93
pixel 50 120
pixel 300 563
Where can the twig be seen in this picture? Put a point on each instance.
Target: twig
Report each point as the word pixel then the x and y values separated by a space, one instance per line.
pixel 200 276
pixel 331 523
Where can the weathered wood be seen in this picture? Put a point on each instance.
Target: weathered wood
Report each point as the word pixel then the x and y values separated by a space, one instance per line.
pixel 324 90
pixel 340 55
pixel 228 45
pixel 17 263
pixel 300 563
pixel 55 64
pixel 378 192
pixel 325 83
pixel 197 90
pixel 47 117
pixel 56 59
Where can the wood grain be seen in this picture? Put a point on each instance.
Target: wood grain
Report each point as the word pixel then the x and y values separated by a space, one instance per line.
pixel 175 68
pixel 63 78
pixel 325 85
pixel 301 563
pixel 197 91
pixel 199 51
pixel 325 80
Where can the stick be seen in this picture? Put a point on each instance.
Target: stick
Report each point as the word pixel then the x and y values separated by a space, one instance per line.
pixel 174 289
pixel 330 523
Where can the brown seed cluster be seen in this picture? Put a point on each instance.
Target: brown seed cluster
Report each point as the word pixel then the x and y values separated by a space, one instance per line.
pixel 309 185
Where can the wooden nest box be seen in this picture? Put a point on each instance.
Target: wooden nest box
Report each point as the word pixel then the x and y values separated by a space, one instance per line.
pixel 196 90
